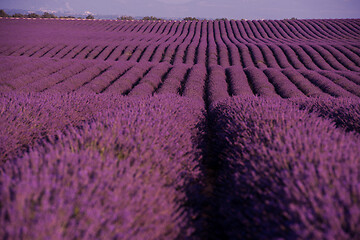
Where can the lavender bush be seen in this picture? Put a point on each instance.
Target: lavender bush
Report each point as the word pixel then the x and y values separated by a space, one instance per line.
pixel 284 173
pixel 123 174
pixel 344 112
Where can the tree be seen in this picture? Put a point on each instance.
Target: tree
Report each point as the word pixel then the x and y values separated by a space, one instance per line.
pixel 151 18
pixel 221 19
pixel 32 15
pixel 191 19
pixel 18 15
pixel 3 13
pixel 48 15
pixel 125 18
pixel 67 17
pixel 90 17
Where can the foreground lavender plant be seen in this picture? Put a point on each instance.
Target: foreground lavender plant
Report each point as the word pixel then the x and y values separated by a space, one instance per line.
pixel 344 112
pixel 123 174
pixel 285 173
pixel 26 118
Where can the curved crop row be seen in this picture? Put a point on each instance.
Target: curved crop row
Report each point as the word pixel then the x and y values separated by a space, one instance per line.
pixel 195 83
pixel 78 80
pixel 239 85
pixel 282 84
pixel 102 81
pixel 344 112
pixel 24 80
pixel 173 80
pixel 254 31
pixel 259 83
pixel 326 84
pixel 127 81
pixel 150 82
pixel 143 79
pixel 46 82
pixel 217 86
pixel 285 44
pixel 21 70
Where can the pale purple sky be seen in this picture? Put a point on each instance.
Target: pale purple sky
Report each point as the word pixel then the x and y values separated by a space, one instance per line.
pixel 237 9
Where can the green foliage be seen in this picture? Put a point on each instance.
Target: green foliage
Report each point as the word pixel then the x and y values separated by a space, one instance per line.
pixel 151 18
pixel 3 13
pixel 90 17
pixel 48 15
pixel 191 19
pixel 124 17
pixel 221 19
pixel 32 15
pixel 67 17
pixel 18 15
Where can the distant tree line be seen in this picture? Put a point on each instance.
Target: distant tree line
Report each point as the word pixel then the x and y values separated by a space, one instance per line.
pixel 124 17
pixel 34 15
pixel 156 18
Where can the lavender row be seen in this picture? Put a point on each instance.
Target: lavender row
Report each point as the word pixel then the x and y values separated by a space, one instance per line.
pixel 127 172
pixel 224 43
pixel 106 78
pixel 151 81
pixel 195 83
pixel 128 80
pixel 26 118
pixel 50 81
pixel 344 112
pixel 174 80
pixel 20 70
pixel 144 79
pixel 337 88
pixel 312 57
pixel 25 80
pixel 76 81
pixel 217 86
pixel 250 31
pixel 284 173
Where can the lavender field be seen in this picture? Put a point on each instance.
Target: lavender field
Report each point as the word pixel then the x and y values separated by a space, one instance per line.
pixel 179 129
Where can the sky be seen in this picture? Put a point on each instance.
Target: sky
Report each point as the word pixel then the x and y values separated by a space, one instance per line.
pixel 210 9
